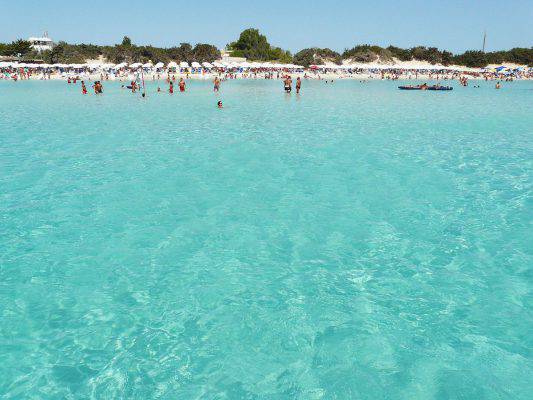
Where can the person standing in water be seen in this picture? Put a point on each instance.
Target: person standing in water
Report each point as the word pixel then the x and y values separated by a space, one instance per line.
pixel 171 87
pixel 498 85
pixel 182 85
pixel 83 88
pixel 288 84
pixel 298 85
pixel 98 88
pixel 216 88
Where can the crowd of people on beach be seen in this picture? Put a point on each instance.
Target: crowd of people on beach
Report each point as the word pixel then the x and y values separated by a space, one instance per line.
pixel 181 75
pixel 16 71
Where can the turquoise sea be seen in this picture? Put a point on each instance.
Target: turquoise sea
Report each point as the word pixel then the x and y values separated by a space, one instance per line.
pixel 354 242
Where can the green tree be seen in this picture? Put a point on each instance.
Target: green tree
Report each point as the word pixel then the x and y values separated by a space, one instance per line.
pixel 472 58
pixel 278 54
pixel 126 41
pixel 252 45
pixel 316 56
pixel 56 54
pixel 205 53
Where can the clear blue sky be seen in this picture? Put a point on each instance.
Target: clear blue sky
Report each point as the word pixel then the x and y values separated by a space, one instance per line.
pixel 295 24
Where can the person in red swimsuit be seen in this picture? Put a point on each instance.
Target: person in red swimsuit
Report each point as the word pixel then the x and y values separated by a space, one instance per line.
pixel 182 85
pixel 83 88
pixel 171 87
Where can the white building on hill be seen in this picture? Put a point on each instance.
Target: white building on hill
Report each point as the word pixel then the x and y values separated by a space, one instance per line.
pixel 42 43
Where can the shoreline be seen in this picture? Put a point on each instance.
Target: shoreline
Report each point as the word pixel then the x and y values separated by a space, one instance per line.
pixel 163 77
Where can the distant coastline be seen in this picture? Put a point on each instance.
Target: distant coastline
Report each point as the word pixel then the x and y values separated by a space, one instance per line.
pixel 254 47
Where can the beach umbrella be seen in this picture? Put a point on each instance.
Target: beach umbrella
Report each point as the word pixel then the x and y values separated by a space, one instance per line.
pixel 135 65
pixel 218 65
pixel 148 65
pixel 159 65
pixel 194 64
pixel 500 68
pixel 172 64
pixel 207 65
pixel 184 64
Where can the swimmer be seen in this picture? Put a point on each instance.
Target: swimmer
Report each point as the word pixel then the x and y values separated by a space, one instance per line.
pixel 216 82
pixel 298 85
pixel 171 87
pixel 498 85
pixel 83 88
pixel 219 104
pixel 158 89
pixel 182 85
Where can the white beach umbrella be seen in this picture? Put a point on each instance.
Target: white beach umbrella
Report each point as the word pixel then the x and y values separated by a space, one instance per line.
pixel 148 65
pixel 184 64
pixel 135 65
pixel 159 65
pixel 218 65
pixel 207 65
pixel 120 65
pixel 172 64
pixel 194 64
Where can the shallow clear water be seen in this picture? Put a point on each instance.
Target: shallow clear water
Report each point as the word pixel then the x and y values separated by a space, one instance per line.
pixel 356 242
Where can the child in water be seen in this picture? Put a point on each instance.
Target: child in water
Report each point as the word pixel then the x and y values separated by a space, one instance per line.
pixel 219 104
